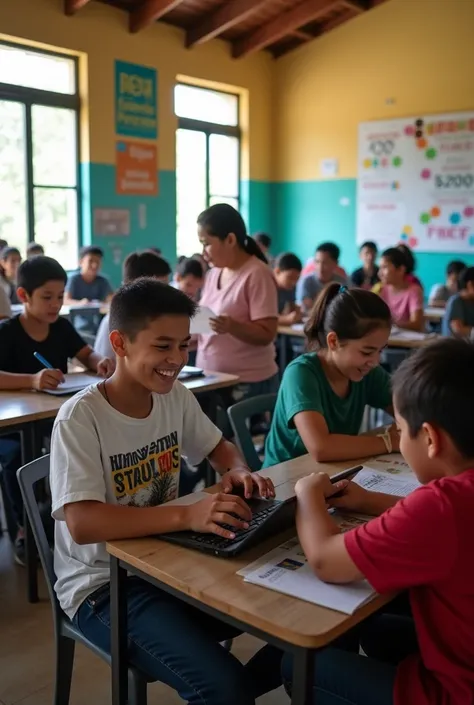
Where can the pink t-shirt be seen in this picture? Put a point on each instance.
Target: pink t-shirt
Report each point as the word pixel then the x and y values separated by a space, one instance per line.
pixel 249 296
pixel 403 303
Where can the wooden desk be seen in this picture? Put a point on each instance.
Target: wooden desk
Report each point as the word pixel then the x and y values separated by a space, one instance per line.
pixel 103 309
pixel 434 314
pixel 211 585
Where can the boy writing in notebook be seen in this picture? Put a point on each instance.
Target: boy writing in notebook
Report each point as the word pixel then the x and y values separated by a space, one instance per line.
pixel 115 461
pixel 39 329
pixel 422 544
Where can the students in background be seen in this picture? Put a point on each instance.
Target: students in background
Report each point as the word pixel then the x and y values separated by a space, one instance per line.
pixel 422 544
pixel 202 261
pixel 367 276
pixel 3 244
pixel 10 260
pixel 41 282
pixel 309 267
pixel 325 271
pixel 240 289
pixel 287 272
pixel 5 305
pixel 404 298
pixel 459 317
pixel 324 393
pixel 34 249
pixel 440 293
pixel 88 284
pixel 189 277
pixel 410 265
pixel 136 265
pixel 264 241
pixel 141 411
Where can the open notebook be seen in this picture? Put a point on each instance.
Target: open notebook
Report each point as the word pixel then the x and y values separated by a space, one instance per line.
pixel 73 383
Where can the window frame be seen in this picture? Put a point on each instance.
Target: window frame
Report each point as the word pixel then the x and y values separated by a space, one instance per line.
pixel 29 97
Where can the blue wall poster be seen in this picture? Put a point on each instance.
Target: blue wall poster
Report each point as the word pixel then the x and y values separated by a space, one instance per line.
pixel 136 99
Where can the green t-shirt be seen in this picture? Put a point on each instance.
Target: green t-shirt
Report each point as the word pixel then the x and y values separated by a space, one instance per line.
pixel 305 388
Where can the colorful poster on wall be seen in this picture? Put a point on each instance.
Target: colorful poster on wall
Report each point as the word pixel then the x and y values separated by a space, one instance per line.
pixel 136 99
pixel 416 183
pixel 136 168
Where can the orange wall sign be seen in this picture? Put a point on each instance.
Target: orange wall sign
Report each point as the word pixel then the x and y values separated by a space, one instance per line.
pixel 136 166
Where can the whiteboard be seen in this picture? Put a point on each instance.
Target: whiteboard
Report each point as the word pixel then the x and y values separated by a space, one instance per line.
pixel 416 183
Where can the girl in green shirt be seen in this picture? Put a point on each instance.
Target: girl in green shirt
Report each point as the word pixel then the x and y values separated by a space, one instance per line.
pixel 324 393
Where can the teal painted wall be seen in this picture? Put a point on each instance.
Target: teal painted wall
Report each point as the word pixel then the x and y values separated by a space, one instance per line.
pixel 256 200
pixel 309 212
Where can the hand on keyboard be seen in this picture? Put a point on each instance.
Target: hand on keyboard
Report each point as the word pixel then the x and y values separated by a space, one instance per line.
pixel 211 514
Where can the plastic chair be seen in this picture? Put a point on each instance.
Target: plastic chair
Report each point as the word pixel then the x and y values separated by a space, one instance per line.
pixel 65 632
pixel 239 416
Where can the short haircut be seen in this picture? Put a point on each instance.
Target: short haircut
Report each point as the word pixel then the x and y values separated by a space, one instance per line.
pixel 263 239
pixel 370 245
pixel 7 251
pixel 35 272
pixel 455 267
pixel 288 261
pixel 34 247
pixel 144 300
pixel 144 264
pixel 395 257
pixel 190 268
pixel 91 250
pixel 466 276
pixel 350 313
pixel 436 385
pixel 330 249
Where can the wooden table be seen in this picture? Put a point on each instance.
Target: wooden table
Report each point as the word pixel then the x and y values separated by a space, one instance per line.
pixel 211 585
pixel 66 309
pixel 21 412
pixel 434 314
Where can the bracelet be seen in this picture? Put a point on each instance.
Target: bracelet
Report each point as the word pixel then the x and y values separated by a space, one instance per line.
pixel 387 439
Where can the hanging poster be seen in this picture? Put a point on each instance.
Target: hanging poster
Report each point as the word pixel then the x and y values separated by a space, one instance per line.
pixel 416 183
pixel 136 113
pixel 136 168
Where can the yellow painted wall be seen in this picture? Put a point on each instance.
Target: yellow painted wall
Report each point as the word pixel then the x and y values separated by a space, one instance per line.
pixel 417 52
pixel 102 34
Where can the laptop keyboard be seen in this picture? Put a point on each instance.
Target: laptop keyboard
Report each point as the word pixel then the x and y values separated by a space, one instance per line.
pixel 220 542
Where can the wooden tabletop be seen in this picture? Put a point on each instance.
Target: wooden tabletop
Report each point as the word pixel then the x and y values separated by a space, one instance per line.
pixel 434 314
pixel 26 406
pixel 213 581
pixel 393 342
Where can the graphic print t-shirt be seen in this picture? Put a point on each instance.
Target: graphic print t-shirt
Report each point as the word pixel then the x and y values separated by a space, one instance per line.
pixel 98 454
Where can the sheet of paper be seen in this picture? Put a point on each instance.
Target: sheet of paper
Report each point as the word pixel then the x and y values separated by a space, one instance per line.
pixel 200 322
pixel 394 463
pixel 400 334
pixel 398 485
pixel 187 499
pixel 74 383
pixel 286 570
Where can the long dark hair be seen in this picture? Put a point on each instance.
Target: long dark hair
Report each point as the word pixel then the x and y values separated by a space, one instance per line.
pixel 6 252
pixel 349 313
pixel 221 219
pixel 397 257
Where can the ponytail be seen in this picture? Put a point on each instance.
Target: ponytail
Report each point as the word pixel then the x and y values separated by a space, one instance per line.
pixel 349 313
pixel 251 248
pixel 222 219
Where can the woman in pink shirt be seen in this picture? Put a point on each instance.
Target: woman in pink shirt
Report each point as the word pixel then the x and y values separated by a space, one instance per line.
pixel 404 298
pixel 241 290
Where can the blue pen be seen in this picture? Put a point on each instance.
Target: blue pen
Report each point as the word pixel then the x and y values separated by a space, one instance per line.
pixel 44 362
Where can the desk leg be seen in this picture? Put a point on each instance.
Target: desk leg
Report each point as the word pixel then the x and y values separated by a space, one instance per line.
pixel 119 631
pixel 29 451
pixel 282 356
pixel 303 672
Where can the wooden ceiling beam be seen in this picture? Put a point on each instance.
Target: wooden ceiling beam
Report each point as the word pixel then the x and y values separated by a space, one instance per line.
pixel 304 36
pixel 337 21
pixel 356 6
pixel 222 19
pixel 282 25
pixel 73 6
pixel 150 12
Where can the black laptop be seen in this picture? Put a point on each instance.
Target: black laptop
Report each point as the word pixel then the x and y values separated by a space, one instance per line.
pixel 269 517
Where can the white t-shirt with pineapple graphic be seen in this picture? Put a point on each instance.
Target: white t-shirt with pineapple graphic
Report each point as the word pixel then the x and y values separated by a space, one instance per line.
pixel 99 454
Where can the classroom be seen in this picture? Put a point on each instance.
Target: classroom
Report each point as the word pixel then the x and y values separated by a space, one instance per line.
pixel 236 352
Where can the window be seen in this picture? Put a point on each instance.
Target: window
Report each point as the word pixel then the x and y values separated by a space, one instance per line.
pixel 39 149
pixel 207 157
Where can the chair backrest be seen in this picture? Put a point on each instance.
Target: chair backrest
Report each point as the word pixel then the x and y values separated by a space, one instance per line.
pixel 239 416
pixel 28 476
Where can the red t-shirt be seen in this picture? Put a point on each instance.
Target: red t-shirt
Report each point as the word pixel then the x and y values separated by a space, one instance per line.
pixel 425 544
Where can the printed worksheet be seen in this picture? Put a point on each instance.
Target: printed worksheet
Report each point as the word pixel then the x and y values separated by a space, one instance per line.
pixel 398 485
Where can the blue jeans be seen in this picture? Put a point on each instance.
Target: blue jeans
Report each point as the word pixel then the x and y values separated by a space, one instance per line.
pixel 344 677
pixel 177 644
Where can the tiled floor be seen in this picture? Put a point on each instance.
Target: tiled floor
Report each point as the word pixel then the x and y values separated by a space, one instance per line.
pixel 27 654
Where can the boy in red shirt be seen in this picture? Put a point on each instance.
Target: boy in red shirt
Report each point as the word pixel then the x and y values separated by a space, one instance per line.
pixel 422 544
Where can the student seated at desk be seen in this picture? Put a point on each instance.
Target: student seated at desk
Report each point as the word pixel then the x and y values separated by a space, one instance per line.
pixel 287 272
pixel 34 249
pixel 459 317
pixel 403 297
pixel 367 276
pixel 264 241
pixel 5 305
pixel 441 293
pixel 189 277
pixel 10 260
pixel 88 284
pixel 324 393
pixel 310 286
pixel 100 494
pixel 40 328
pixel 136 265
pixel 422 544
